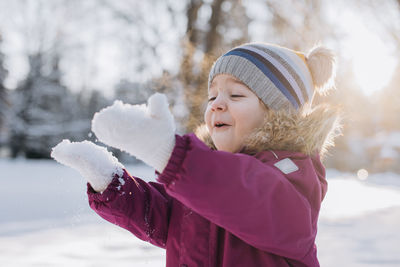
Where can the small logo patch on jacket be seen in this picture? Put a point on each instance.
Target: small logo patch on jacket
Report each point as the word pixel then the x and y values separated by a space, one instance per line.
pixel 286 166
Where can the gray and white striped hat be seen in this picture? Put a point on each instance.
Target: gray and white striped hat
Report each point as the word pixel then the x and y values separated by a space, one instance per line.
pixel 280 77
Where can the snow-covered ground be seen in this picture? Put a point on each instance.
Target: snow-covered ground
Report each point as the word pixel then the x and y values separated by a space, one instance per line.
pixel 45 221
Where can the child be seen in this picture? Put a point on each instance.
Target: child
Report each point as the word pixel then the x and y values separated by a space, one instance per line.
pixel 249 192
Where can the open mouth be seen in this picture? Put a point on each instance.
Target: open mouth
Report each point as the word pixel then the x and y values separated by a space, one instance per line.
pixel 221 125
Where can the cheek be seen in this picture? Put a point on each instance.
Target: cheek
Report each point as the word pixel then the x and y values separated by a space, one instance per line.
pixel 207 118
pixel 258 118
pixel 249 120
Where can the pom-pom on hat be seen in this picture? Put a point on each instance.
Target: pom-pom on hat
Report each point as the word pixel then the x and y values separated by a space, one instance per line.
pixel 282 78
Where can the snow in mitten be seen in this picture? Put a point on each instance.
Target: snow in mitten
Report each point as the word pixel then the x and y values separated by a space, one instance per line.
pixel 93 162
pixel 146 132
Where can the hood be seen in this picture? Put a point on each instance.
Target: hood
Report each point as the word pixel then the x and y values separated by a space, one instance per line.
pixel 307 131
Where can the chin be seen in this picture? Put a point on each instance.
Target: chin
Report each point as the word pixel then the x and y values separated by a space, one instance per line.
pixel 224 145
pixel 224 148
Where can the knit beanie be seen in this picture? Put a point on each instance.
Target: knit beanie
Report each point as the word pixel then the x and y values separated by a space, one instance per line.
pixel 282 78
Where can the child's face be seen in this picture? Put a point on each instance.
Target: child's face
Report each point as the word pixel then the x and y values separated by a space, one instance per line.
pixel 232 103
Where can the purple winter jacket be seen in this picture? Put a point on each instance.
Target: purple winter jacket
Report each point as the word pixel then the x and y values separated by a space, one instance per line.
pixel 214 208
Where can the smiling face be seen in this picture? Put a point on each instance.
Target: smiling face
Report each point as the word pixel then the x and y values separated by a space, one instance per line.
pixel 232 113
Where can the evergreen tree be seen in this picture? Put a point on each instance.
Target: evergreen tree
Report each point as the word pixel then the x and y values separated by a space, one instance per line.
pixel 4 105
pixel 132 92
pixel 43 110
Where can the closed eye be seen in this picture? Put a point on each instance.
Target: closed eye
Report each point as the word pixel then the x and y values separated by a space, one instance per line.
pixel 213 98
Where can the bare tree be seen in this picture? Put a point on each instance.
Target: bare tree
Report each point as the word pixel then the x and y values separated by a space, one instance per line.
pixel 298 24
pixel 385 16
pixel 209 41
pixel 298 32
pixel 204 29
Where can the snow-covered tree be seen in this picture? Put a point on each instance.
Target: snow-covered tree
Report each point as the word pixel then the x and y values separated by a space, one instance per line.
pixel 89 102
pixel 95 102
pixel 4 102
pixel 43 110
pixel 132 92
pixel 3 92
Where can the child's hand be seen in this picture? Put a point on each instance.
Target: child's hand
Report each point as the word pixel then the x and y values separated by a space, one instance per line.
pixel 146 132
pixel 93 162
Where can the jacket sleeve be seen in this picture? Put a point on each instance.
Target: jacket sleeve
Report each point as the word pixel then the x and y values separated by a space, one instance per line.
pixel 245 196
pixel 131 203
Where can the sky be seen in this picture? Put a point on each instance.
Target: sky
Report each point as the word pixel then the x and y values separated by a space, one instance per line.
pixel 373 59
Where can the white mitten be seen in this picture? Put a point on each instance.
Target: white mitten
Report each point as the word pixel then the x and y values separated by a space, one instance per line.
pixel 93 162
pixel 146 132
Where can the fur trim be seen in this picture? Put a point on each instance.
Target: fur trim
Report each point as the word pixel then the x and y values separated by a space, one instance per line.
pixel 306 132
pixel 202 133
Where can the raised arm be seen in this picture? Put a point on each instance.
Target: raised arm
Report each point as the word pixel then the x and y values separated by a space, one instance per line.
pixel 247 197
pixel 141 208
pixel 131 203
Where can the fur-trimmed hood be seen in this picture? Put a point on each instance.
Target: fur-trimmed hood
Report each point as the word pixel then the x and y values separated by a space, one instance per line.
pixel 307 132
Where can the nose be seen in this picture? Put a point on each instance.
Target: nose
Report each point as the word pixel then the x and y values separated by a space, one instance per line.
pixel 219 103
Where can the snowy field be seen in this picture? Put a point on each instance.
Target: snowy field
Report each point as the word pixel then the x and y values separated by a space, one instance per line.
pixel 45 221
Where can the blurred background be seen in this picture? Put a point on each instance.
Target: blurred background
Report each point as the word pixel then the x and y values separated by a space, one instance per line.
pixel 63 60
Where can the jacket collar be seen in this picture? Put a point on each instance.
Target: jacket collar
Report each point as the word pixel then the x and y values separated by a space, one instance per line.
pixel 308 131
